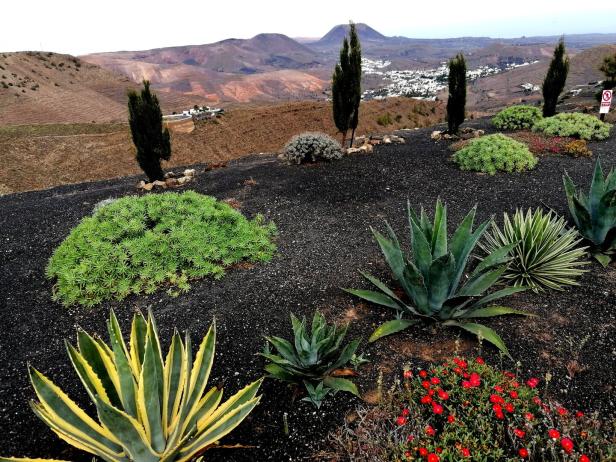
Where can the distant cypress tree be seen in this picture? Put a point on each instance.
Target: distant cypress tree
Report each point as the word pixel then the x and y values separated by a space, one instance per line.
pixel 346 86
pixel 555 79
pixel 456 104
pixel 146 125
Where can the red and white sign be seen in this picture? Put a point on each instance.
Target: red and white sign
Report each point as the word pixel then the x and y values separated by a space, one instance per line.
pixel 606 101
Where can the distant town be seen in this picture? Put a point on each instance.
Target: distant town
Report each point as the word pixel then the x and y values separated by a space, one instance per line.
pixel 420 84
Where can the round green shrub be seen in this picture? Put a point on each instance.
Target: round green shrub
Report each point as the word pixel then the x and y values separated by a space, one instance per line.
pixel 138 244
pixel 517 118
pixel 493 153
pixel 310 147
pixel 576 125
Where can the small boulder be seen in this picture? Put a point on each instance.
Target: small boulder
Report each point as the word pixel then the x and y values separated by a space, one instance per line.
pixel 141 184
pixel 170 175
pixel 183 180
pixel 189 172
pixel 436 135
pixel 171 182
pixel 353 150
pixel 148 186
pixel 386 139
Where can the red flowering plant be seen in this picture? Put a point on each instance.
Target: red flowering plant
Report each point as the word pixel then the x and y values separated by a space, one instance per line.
pixel 466 410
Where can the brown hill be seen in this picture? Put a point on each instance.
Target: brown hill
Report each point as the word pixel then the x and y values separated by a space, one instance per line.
pixel 71 153
pixel 494 92
pixel 41 87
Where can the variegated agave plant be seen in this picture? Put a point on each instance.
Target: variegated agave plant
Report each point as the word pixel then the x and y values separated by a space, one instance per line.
pixel 149 410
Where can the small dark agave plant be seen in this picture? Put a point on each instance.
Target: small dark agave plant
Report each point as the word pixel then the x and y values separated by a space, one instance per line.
pixel 434 279
pixel 313 358
pixel 594 214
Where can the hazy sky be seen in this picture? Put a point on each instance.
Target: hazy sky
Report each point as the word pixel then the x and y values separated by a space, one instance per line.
pixel 84 26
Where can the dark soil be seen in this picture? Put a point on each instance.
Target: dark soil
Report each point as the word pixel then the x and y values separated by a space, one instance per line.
pixel 323 215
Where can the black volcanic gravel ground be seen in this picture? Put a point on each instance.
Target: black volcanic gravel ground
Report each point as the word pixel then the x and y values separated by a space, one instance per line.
pixel 323 214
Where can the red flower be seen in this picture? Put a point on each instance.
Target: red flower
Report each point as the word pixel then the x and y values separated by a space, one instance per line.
pixel 426 399
pixel 425 384
pixel 435 380
pixel 496 399
pixel 532 382
pixel 410 438
pixel 423 452
pixel 579 414
pixel 437 408
pixel 498 388
pixel 466 384
pixel 408 374
pixel 460 363
pixel 465 452
pixel 405 412
pixel 514 394
pixel 529 416
pixel 431 392
pixel 509 407
pixel 479 360
pixel 433 457
pixel 443 395
pixel 537 400
pixel 567 445
pixel 430 431
pixel 515 384
pixel 562 411
pixel 475 380
pixel 511 375
pixel 584 458
pixel 451 418
pixel 423 374
pixel 458 371
pixel 523 452
pixel 519 433
pixel 401 420
pixel 553 433
pixel 407 454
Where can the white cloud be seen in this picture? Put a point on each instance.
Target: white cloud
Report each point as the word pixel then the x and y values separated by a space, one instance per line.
pixel 79 27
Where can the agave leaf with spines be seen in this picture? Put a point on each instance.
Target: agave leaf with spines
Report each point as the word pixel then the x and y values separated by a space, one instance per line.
pixel 149 409
pixel 311 358
pixel 594 214
pixel 546 254
pixel 435 279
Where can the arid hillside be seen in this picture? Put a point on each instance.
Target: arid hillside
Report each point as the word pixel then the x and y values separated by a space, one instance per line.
pixel 43 87
pixel 42 156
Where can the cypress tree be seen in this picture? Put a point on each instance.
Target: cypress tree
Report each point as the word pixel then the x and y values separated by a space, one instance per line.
pixel 456 103
pixel 146 125
pixel 555 79
pixel 346 86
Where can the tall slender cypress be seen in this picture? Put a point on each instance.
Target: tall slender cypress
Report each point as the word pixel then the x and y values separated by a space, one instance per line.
pixel 146 125
pixel 346 85
pixel 456 104
pixel 555 79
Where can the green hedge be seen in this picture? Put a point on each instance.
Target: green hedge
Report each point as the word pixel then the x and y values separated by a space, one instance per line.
pixel 138 244
pixel 576 125
pixel 517 118
pixel 493 153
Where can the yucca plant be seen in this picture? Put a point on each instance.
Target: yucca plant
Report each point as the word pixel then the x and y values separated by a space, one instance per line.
pixel 313 358
pixel 594 214
pixel 432 277
pixel 545 253
pixel 148 409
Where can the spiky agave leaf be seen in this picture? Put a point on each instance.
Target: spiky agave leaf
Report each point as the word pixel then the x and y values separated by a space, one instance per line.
pixel 545 255
pixel 149 409
pixel 432 274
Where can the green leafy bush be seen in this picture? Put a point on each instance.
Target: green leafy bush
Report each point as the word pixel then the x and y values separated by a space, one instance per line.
pixel 493 153
pixel 150 408
pixel 434 281
pixel 310 147
pixel 312 358
pixel 137 244
pixel 517 118
pixel 466 410
pixel 576 125
pixel 545 253
pixel 594 214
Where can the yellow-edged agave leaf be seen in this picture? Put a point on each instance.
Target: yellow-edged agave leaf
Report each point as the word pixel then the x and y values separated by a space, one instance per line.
pixel 158 355
pixel 128 385
pixel 207 406
pixel 215 432
pixel 69 417
pixel 174 377
pixel 90 380
pixel 138 333
pixel 129 431
pixel 102 364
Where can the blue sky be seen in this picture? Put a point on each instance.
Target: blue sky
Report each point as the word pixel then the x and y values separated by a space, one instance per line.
pixel 79 27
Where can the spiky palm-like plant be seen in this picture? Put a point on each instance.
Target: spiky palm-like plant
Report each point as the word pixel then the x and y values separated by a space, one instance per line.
pixel 149 409
pixel 432 278
pixel 545 253
pixel 594 214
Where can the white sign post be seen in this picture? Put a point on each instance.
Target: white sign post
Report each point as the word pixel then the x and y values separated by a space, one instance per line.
pixel 606 101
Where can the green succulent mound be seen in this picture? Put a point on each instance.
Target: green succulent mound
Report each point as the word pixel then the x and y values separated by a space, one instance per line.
pixel 138 244
pixel 517 118
pixel 576 125
pixel 493 153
